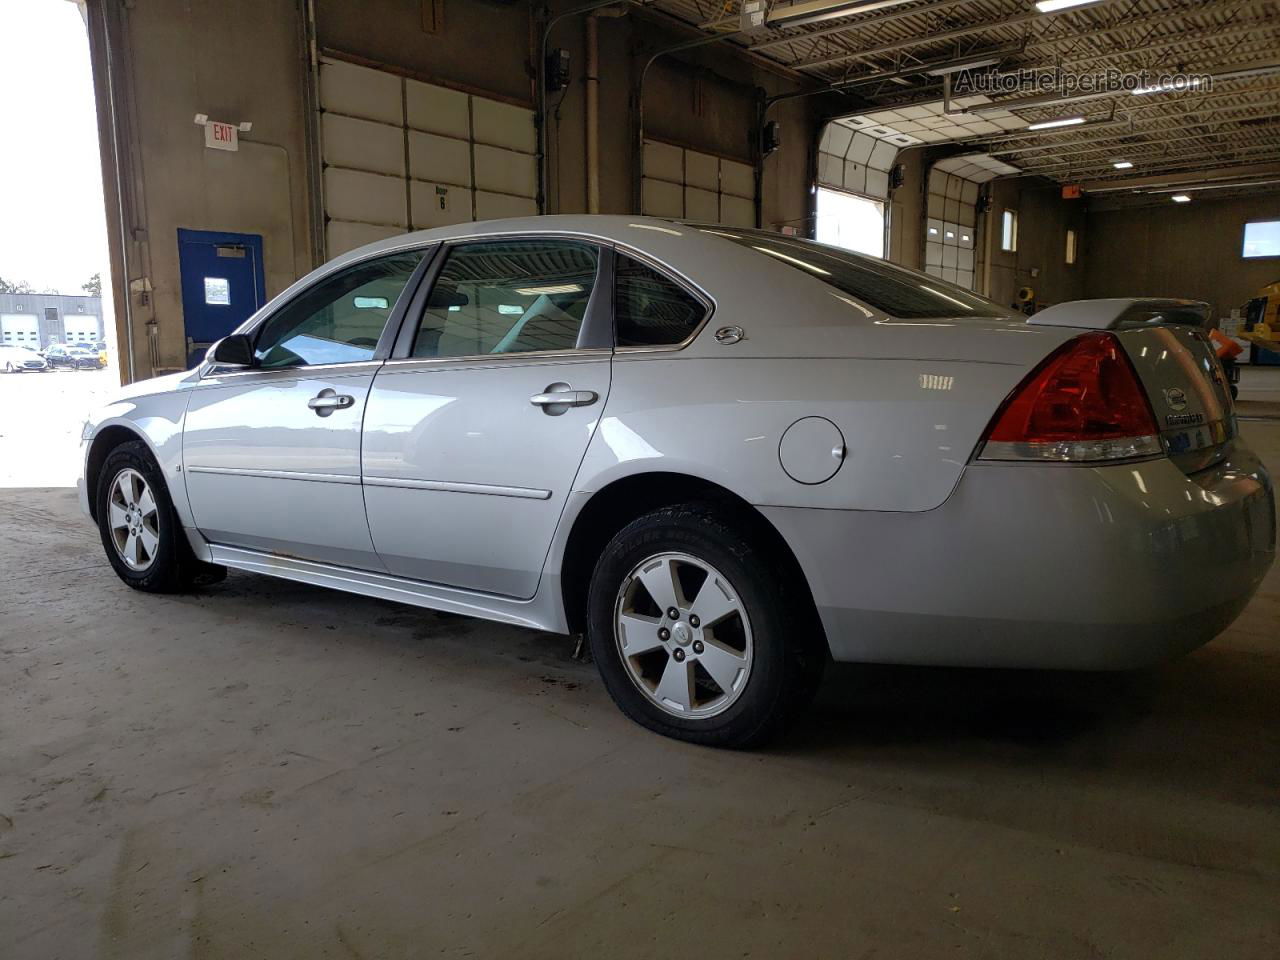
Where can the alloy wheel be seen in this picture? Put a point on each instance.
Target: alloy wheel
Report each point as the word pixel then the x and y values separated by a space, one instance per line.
pixel 134 520
pixel 683 635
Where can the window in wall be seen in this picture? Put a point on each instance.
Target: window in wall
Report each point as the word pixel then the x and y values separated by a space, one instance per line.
pixel 850 221
pixel 1071 246
pixel 650 309
pixel 340 319
pixel 1009 231
pixel 508 296
pixel 1261 239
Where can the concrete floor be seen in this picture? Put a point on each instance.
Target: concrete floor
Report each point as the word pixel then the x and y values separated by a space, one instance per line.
pixel 270 770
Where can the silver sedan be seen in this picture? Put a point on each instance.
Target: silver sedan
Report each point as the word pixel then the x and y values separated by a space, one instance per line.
pixel 724 455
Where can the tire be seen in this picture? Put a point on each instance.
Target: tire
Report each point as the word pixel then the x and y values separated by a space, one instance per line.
pixel 769 652
pixel 164 563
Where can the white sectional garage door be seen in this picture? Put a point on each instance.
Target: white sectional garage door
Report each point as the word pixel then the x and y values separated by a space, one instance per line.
pixel 686 184
pixel 401 155
pixel 951 227
pixel 20 330
pixel 81 328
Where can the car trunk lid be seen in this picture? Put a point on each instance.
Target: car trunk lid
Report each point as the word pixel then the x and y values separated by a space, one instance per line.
pixel 1188 390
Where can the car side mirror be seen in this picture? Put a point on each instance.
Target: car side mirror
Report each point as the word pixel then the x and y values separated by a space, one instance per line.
pixel 233 351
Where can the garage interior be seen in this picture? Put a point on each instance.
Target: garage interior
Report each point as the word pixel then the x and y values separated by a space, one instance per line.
pixel 265 769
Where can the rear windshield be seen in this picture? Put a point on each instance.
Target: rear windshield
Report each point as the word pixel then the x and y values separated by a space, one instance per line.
pixel 890 289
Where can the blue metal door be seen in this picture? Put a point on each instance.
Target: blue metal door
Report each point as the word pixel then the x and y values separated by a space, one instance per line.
pixel 222 285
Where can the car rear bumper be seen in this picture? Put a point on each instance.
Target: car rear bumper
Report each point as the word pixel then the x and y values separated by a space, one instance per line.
pixel 1051 566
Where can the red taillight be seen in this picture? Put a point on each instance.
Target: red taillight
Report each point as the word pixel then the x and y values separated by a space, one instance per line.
pixel 1082 403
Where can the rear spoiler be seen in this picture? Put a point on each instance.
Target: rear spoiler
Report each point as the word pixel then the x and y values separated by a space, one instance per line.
pixel 1121 312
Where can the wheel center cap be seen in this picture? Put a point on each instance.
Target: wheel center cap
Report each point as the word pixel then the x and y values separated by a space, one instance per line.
pixel 681 634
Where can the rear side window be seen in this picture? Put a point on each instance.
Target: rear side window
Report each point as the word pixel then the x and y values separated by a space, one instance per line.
pixel 650 309
pixel 508 296
pixel 893 290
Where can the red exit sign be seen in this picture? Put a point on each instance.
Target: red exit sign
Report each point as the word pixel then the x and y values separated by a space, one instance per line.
pixel 221 136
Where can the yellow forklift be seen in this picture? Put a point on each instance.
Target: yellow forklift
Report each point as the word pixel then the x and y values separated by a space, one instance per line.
pixel 1261 329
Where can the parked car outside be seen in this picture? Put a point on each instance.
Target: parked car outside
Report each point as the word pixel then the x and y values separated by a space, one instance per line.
pixel 723 454
pixel 62 357
pixel 21 360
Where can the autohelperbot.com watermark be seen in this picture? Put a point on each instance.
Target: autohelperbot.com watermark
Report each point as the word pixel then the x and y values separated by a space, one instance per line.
pixel 1025 81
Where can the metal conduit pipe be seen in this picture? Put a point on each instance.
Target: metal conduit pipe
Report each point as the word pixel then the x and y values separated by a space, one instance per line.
pixel 540 74
pixel 644 72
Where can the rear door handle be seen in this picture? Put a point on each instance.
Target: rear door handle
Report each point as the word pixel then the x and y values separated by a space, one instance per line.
pixel 565 398
pixel 328 400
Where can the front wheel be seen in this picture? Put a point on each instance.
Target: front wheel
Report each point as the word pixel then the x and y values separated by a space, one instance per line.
pixel 697 634
pixel 140 530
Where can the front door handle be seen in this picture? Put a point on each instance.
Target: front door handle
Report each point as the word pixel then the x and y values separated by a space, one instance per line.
pixel 329 400
pixel 564 398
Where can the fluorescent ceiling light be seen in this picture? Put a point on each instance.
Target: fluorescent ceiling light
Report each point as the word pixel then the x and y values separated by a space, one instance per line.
pixel 1180 198
pixel 816 11
pixel 1049 124
pixel 956 67
pixel 1053 6
pixel 550 290
pixel 1123 164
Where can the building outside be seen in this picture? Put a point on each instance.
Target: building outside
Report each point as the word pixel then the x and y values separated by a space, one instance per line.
pixel 36 320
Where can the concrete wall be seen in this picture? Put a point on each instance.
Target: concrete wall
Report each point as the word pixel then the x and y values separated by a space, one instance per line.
pixel 1043 220
pixel 236 60
pixel 247 60
pixel 906 213
pixel 1179 250
pixel 704 99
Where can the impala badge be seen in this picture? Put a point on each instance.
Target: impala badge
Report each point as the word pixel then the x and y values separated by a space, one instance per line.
pixel 1176 398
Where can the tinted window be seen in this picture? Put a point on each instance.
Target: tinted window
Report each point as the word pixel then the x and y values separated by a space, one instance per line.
pixel 340 319
pixel 892 290
pixel 508 296
pixel 650 309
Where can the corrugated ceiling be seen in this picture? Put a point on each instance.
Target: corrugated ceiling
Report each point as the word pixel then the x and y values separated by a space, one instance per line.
pixel 1232 121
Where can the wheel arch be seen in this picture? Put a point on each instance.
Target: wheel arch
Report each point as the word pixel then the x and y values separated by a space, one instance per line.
pixel 623 500
pixel 104 441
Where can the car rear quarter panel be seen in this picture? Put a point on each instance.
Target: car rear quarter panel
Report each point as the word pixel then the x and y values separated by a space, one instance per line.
pixel 909 426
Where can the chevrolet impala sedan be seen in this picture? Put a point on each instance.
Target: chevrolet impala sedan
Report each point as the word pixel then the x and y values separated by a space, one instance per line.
pixel 722 454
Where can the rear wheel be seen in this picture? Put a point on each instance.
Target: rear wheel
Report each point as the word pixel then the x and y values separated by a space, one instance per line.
pixel 140 530
pixel 697 635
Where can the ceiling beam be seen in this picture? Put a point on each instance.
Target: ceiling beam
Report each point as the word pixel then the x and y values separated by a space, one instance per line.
pixel 1210 175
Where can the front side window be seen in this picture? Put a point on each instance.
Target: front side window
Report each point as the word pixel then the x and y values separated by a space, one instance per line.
pixel 649 309
pixel 508 296
pixel 340 319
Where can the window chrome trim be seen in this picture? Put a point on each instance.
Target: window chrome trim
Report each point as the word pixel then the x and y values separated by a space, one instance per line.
pixel 211 377
pixel 487 360
pixel 448 486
